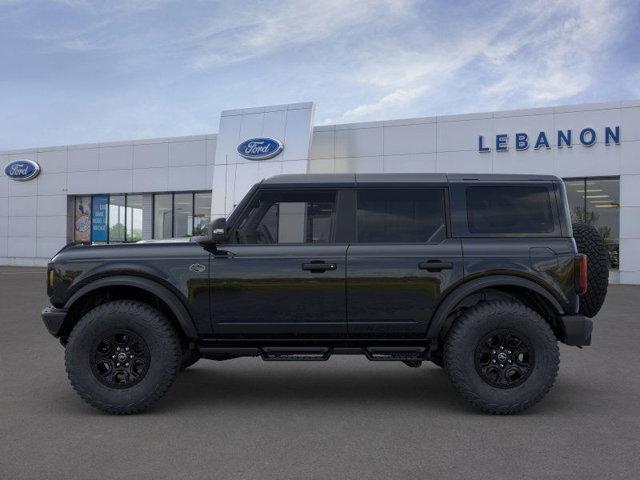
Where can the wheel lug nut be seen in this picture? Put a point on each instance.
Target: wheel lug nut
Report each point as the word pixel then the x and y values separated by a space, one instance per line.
pixel 127 349
pixel 118 349
pixel 113 356
pixel 126 364
pixel 509 352
pixel 501 366
pixel 509 361
pixel 130 356
pixel 117 364
pixel 493 351
pixel 501 348
pixel 494 360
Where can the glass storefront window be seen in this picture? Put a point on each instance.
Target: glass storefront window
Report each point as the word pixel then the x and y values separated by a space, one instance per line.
pixel 82 219
pixel 162 215
pixel 201 212
pixel 596 202
pixel 183 215
pixel 134 218
pixel 117 218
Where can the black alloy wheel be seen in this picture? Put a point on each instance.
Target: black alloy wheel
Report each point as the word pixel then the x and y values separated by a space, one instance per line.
pixel 504 358
pixel 120 359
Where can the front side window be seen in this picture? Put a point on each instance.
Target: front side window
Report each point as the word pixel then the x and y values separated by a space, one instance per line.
pixel 509 209
pixel 401 216
pixel 289 217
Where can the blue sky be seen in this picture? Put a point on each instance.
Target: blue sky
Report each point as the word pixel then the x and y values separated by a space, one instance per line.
pixel 76 71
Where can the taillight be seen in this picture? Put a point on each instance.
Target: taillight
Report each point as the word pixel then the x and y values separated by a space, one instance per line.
pixel 581 273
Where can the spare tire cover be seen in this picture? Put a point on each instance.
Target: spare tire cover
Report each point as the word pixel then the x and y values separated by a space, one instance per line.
pixel 590 242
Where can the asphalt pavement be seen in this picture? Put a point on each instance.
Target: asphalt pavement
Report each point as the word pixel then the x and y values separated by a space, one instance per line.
pixel 346 418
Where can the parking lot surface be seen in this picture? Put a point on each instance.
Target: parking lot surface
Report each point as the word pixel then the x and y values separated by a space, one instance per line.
pixel 346 418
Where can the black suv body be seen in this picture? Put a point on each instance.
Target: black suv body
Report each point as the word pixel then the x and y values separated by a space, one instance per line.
pixel 385 265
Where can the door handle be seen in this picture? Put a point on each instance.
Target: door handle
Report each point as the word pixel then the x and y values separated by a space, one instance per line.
pixel 317 266
pixel 435 266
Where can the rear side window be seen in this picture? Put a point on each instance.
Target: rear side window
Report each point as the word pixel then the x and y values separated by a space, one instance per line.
pixel 509 209
pixel 401 216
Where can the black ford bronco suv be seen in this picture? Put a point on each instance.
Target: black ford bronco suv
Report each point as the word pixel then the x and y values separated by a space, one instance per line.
pixel 480 274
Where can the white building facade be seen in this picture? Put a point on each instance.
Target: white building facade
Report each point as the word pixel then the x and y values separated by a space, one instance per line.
pixel 171 187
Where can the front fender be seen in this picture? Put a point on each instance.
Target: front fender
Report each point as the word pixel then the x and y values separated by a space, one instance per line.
pixel 173 302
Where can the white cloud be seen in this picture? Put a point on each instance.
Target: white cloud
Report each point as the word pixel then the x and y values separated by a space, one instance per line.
pixel 543 51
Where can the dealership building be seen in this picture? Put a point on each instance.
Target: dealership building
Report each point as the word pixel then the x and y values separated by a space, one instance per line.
pixel 170 187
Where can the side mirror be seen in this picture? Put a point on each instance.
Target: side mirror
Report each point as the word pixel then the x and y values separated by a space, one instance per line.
pixel 218 231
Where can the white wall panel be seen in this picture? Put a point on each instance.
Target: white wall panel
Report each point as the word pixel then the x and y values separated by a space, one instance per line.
pixel 21 207
pixel 4 206
pixel 630 124
pixel 117 157
pixel 150 179
pixel 52 226
pixel 322 144
pixel 464 162
pixel 420 138
pixel 47 247
pixel 421 163
pixel 22 227
pixel 51 205
pixel 52 161
pixel 83 159
pixel 358 142
pixel 188 153
pixel 151 155
pixel 52 183
pixel 21 246
pixel 630 156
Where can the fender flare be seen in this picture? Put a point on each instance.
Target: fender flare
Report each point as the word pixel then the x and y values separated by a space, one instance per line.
pixel 167 296
pixel 461 292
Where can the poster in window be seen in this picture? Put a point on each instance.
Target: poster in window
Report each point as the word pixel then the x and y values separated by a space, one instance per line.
pixel 99 208
pixel 82 219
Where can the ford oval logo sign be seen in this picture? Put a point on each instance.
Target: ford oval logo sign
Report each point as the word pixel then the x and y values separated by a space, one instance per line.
pixel 22 170
pixel 260 148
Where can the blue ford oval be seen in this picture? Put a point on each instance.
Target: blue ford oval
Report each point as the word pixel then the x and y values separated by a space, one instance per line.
pixel 22 170
pixel 260 148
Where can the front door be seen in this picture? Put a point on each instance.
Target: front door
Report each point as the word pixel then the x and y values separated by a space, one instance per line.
pixel 281 275
pixel 401 262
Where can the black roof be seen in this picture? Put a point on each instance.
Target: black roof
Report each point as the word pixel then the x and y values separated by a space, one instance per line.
pixel 353 179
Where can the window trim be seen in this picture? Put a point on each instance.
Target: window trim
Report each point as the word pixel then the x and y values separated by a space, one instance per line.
pixel 460 225
pixel 237 220
pixel 444 191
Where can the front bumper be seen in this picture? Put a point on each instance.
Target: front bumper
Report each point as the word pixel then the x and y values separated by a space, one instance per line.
pixel 576 330
pixel 53 319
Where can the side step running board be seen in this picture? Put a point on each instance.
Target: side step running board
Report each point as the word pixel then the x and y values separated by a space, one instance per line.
pixel 317 354
pixel 395 354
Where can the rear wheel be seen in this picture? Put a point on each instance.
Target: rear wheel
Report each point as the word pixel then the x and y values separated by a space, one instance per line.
pixel 122 356
pixel 590 242
pixel 502 357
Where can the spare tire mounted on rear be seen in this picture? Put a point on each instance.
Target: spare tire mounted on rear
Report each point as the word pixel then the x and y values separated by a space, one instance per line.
pixel 590 242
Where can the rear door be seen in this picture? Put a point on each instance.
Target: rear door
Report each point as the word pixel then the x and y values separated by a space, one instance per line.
pixel 401 261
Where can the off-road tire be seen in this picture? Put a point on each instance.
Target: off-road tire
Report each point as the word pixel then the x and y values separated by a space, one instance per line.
pixel 590 242
pixel 460 360
pixel 164 355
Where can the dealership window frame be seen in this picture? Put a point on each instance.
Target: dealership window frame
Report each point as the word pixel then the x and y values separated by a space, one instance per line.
pixel 585 205
pixel 173 211
pixel 108 214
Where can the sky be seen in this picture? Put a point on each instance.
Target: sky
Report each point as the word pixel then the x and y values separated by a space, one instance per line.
pixel 80 71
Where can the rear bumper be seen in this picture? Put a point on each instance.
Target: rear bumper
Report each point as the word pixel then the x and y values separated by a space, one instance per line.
pixel 53 319
pixel 576 330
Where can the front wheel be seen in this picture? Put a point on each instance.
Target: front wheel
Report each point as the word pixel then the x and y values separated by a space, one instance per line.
pixel 122 356
pixel 502 357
